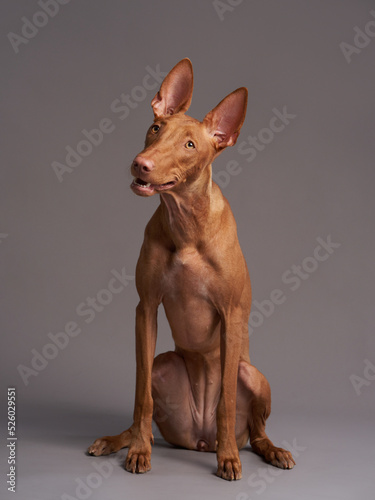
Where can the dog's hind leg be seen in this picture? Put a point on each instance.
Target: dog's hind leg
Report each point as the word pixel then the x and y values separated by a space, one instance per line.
pixel 173 402
pixel 172 410
pixel 110 444
pixel 254 390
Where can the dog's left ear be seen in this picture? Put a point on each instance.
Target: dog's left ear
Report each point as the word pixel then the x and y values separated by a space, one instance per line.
pixel 225 121
pixel 176 90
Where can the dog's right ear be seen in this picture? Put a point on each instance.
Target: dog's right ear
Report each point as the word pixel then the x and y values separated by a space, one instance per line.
pixel 176 91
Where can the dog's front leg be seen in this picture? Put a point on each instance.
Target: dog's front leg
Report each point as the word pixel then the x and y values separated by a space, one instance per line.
pixel 139 454
pixel 229 464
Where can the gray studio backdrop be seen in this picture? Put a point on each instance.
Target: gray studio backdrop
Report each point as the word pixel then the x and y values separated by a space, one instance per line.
pixel 77 79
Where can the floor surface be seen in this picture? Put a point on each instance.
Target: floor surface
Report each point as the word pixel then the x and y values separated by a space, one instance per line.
pixel 335 460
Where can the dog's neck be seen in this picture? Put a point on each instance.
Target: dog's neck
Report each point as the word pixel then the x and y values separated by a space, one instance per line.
pixel 187 211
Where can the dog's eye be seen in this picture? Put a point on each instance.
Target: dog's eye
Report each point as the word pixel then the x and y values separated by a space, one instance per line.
pixel 155 128
pixel 189 145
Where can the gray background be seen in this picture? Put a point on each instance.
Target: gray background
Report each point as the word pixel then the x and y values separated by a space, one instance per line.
pixel 61 240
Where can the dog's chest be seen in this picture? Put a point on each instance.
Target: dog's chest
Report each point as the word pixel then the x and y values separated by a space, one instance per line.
pixel 187 274
pixel 187 300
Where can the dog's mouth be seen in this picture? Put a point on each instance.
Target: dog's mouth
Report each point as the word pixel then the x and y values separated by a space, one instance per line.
pixel 140 186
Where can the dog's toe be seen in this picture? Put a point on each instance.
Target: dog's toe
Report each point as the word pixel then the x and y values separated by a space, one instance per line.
pixel 102 446
pixel 230 470
pixel 138 463
pixel 281 458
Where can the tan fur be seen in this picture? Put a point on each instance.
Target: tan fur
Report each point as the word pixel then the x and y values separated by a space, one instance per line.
pixel 205 395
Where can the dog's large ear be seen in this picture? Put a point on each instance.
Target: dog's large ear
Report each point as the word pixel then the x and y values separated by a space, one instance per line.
pixel 176 90
pixel 225 121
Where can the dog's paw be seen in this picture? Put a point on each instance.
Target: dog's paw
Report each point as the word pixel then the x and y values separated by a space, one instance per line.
pixel 138 463
pixel 230 470
pixel 102 446
pixel 280 458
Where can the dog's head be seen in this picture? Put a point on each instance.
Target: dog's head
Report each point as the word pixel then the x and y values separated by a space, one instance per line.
pixel 177 147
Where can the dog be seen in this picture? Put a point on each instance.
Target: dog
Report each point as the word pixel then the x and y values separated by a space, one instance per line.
pixel 192 263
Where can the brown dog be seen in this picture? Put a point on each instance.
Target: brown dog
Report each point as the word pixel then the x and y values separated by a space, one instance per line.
pixel 192 263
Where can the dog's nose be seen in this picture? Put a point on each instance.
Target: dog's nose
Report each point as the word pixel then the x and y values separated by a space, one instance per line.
pixel 143 164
